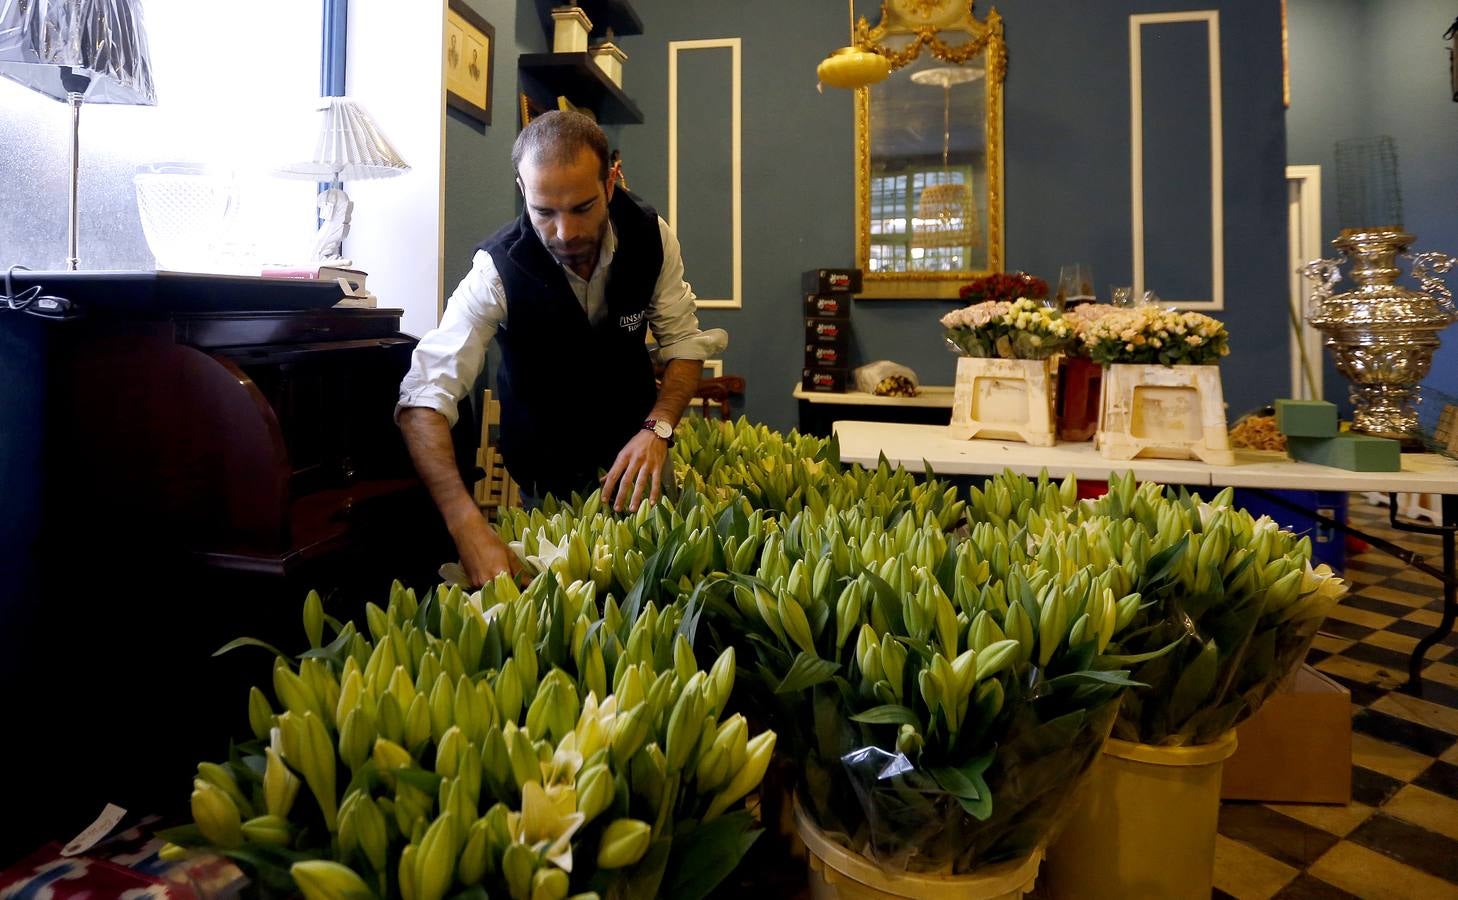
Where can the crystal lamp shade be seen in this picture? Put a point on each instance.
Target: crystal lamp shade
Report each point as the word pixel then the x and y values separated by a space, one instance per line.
pixel 95 48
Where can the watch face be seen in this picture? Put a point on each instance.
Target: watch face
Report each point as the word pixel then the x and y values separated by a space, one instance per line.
pixel 663 430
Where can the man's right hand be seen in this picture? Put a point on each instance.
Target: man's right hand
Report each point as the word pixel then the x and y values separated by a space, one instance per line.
pixel 428 437
pixel 483 554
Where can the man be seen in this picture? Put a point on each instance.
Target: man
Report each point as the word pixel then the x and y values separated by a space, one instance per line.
pixel 566 291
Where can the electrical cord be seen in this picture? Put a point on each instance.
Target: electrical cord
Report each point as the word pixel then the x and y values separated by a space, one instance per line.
pixel 31 300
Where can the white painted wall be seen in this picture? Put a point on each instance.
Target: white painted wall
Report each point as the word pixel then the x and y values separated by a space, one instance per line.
pixel 397 71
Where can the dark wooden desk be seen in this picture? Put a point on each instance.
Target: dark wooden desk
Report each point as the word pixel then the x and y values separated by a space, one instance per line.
pixel 173 481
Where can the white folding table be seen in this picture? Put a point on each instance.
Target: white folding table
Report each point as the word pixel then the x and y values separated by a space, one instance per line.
pixel 918 446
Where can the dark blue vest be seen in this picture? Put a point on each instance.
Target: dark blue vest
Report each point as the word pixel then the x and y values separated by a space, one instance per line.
pixel 572 394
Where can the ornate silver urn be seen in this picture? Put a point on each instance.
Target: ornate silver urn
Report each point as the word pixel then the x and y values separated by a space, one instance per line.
pixel 1382 334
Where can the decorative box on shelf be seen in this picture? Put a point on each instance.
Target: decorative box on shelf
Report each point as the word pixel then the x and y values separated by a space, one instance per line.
pixel 1010 399
pixel 610 58
pixel 1171 412
pixel 570 28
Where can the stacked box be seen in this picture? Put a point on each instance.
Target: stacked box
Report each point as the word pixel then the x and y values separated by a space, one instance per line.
pixel 827 328
pixel 1306 418
pixel 1355 452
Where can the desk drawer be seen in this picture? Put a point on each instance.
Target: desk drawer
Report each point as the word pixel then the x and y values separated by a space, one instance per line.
pixel 213 330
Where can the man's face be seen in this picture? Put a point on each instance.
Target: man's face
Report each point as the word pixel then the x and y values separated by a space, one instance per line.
pixel 568 206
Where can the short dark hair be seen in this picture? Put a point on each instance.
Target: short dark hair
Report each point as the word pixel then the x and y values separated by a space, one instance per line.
pixel 557 137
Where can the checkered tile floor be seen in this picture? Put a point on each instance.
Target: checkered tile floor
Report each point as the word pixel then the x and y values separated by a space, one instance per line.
pixel 1399 836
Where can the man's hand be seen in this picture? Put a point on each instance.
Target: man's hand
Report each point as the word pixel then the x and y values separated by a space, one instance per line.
pixel 483 554
pixel 637 473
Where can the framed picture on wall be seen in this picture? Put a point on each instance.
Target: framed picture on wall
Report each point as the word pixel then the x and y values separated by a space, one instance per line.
pixel 470 49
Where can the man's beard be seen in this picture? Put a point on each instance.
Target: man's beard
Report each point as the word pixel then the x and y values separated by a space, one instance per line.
pixel 574 253
pixel 580 252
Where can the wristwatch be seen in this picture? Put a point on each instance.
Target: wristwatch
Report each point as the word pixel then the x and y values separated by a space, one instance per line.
pixel 660 428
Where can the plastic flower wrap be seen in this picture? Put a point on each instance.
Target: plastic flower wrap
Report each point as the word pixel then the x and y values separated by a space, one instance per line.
pixel 1230 603
pixel 1019 329
pixel 1149 335
pixel 523 744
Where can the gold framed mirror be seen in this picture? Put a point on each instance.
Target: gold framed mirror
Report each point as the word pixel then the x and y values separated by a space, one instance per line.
pixel 929 184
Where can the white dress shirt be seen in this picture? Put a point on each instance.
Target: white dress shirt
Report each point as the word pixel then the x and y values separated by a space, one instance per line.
pixel 449 358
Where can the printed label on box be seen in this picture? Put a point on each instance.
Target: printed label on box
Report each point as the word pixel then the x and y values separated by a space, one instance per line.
pixel 828 380
pixel 827 355
pixel 828 281
pixel 827 307
pixel 826 331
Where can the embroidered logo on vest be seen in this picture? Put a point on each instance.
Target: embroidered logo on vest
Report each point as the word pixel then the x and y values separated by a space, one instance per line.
pixel 632 322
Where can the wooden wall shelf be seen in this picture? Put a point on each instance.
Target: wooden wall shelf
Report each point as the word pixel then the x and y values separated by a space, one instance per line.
pixel 546 76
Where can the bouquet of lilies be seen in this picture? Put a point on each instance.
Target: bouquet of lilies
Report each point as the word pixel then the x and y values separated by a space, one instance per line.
pixel 1001 329
pixel 1230 602
pixel 526 744
pixel 940 695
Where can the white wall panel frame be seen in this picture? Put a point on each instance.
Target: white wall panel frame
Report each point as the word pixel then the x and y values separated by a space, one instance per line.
pixel 735 301
pixel 1137 23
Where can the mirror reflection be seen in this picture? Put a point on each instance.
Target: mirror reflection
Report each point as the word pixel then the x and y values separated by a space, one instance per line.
pixel 928 153
pixel 928 191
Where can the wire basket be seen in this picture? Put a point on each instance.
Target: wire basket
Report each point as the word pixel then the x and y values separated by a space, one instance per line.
pixel 1438 421
pixel 184 216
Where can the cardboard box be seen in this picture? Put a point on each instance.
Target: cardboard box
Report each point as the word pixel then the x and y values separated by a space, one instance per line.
pixel 1298 748
pixel 821 307
pixel 827 331
pixel 830 381
pixel 831 281
pixel 826 356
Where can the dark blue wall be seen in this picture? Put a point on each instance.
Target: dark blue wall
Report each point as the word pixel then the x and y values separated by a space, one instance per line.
pixel 1067 170
pixel 1361 68
pixel 1067 173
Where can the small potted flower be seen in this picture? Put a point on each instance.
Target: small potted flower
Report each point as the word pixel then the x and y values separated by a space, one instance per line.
pixel 1005 378
pixel 1162 372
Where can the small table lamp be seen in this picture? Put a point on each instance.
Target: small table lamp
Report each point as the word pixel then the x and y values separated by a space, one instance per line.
pixel 350 147
pixel 80 51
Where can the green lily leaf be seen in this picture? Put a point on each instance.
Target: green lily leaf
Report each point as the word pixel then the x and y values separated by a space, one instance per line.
pixel 1161 566
pixel 249 642
pixel 888 714
pixel 704 855
pixel 806 671
pixel 335 650
pixel 1194 684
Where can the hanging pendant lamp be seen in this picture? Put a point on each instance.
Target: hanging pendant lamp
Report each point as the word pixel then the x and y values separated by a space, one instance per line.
pixel 946 214
pixel 851 67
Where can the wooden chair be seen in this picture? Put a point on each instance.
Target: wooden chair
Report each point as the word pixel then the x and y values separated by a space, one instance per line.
pixel 713 394
pixel 496 490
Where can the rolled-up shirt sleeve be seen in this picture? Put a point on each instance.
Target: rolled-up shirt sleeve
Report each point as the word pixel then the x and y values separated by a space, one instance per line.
pixel 449 358
pixel 672 314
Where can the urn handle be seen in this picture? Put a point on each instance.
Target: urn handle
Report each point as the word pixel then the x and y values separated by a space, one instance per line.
pixel 1325 274
pixel 1426 268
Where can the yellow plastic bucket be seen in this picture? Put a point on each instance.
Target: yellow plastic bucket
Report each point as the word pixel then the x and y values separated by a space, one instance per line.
pixel 1144 825
pixel 840 874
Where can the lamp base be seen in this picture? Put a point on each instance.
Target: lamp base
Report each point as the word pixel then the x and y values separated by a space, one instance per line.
pixel 335 209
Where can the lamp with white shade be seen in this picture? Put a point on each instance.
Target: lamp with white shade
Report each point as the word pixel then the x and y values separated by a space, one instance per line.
pixel 350 147
pixel 79 51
